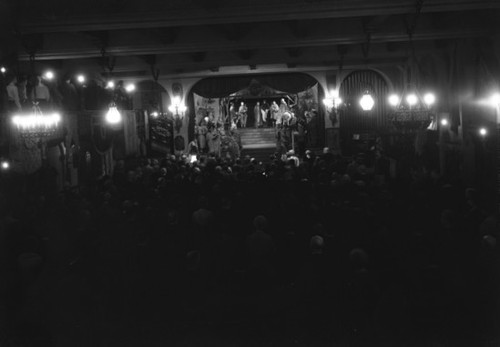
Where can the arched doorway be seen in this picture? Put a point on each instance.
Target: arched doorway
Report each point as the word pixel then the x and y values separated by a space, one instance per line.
pixel 358 128
pixel 158 128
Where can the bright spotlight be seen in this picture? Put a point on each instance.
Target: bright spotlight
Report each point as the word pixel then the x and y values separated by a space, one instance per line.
pixel 483 132
pixel 411 99
pixel 113 116
pixel 49 75
pixel 394 100
pixel 80 78
pixel 5 165
pixel 3 69
pixel 495 100
pixel 444 122
pixel 130 87
pixel 110 85
pixel 367 102
pixel 429 98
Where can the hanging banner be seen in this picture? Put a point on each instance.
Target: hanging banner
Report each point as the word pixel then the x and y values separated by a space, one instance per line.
pixel 207 107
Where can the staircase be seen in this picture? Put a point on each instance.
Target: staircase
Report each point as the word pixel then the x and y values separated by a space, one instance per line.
pixel 258 143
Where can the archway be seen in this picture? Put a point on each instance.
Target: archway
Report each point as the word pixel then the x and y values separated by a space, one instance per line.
pixel 358 128
pixel 253 88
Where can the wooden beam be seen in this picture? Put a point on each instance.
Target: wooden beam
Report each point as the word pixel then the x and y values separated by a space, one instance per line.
pixel 254 43
pixel 248 14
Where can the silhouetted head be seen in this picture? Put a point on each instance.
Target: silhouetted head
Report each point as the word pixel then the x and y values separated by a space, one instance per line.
pixel 260 223
pixel 316 244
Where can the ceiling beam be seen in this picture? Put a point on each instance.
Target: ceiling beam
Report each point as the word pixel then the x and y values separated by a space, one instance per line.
pixel 249 14
pixel 192 47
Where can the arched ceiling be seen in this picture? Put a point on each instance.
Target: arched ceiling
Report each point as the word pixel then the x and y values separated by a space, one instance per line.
pixel 210 37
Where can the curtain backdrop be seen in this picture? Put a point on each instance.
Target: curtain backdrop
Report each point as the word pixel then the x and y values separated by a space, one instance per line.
pixel 218 87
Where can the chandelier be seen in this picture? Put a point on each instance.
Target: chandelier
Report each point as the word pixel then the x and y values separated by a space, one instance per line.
pixel 411 106
pixel 36 124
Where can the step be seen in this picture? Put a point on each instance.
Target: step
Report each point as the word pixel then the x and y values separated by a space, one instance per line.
pixel 260 145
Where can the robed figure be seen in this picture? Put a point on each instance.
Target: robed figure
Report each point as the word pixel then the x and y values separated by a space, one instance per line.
pixel 256 112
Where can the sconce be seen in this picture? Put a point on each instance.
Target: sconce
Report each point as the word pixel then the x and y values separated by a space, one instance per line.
pixel 332 101
pixel 178 109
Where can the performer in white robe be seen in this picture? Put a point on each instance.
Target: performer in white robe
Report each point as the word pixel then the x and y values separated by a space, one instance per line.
pixel 202 140
pixel 243 114
pixel 275 109
pixel 256 112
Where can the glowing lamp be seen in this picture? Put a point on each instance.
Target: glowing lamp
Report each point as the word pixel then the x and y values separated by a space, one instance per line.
pixel 429 99
pixel 49 75
pixel 154 114
pixel 130 88
pixel 495 100
pixel 80 78
pixel 483 132
pixel 110 85
pixel 36 121
pixel 3 69
pixel 367 102
pixel 328 102
pixel 444 122
pixel 412 99
pixel 113 116
pixel 5 165
pixel 393 100
pixel 177 107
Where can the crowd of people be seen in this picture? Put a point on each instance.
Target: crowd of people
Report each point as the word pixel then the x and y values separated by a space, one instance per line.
pixel 311 251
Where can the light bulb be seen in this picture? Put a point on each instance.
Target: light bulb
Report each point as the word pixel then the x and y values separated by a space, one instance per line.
pixel 113 116
pixel 411 99
pixel 130 87
pixel 367 102
pixel 49 75
pixel 110 85
pixel 80 78
pixel 495 100
pixel 334 93
pixel 429 99
pixel 328 102
pixel 394 100
pixel 483 132
pixel 444 122
pixel 5 165
pixel 154 114
pixel 3 69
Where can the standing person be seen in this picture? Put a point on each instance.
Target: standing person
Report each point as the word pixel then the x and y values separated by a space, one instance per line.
pixel 260 252
pixel 41 94
pixel 275 109
pixel 264 110
pixel 256 112
pixel 23 94
pixel 232 113
pixel 202 133
pixel 210 140
pixel 216 139
pixel 14 103
pixel 243 114
pixel 283 108
pixel 301 135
